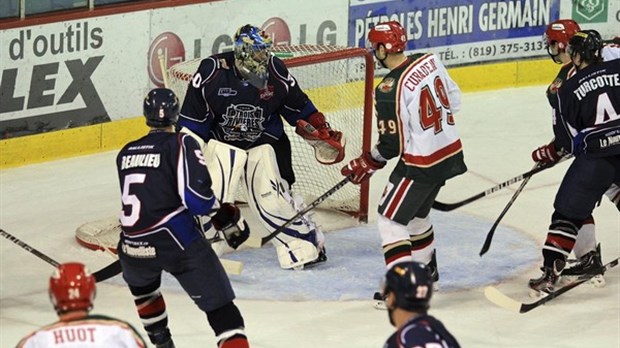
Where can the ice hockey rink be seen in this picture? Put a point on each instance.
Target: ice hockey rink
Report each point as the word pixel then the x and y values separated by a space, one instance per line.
pixel 330 305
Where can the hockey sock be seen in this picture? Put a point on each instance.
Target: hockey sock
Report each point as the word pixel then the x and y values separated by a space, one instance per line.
pixel 397 252
pixel 586 238
pixel 422 246
pixel 560 238
pixel 152 312
pixel 228 325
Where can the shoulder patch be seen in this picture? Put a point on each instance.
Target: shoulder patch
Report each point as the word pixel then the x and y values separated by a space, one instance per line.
pixel 386 85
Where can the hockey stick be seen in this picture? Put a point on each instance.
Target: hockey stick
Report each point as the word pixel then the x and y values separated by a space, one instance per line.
pixel 105 273
pixel 257 243
pixel 451 206
pixel 501 300
pixel 487 241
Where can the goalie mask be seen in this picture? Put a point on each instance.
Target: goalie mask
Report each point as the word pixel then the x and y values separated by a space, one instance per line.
pixel 252 54
pixel 72 288
pixel 161 108
pixel 559 32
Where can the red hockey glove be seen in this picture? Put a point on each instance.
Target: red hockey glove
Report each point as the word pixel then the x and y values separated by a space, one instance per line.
pixel 361 168
pixel 546 154
pixel 328 144
pixel 229 221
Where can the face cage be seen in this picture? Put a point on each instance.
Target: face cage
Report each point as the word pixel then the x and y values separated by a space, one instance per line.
pixel 254 59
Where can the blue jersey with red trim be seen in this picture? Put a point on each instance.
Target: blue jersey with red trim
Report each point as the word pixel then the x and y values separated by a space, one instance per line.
pixel 422 332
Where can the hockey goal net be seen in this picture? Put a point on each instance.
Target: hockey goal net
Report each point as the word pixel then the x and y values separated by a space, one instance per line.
pixel 339 81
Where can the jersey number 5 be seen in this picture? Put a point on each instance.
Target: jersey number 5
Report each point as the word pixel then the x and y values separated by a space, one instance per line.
pixel 131 200
pixel 430 112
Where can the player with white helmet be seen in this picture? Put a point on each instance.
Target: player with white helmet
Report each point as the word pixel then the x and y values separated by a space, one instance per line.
pixel 72 292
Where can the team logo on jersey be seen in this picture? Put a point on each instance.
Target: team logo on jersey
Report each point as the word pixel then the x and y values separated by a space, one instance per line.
pixel 386 85
pixel 242 122
pixel 266 93
pixel 226 92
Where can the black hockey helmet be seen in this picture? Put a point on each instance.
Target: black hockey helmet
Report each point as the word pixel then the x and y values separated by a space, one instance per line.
pixel 161 108
pixel 412 285
pixel 588 43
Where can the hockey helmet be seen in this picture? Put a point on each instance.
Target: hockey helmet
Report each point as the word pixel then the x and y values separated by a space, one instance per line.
pixel 412 285
pixel 588 43
pixel 560 31
pixel 252 54
pixel 71 288
pixel 161 108
pixel 389 34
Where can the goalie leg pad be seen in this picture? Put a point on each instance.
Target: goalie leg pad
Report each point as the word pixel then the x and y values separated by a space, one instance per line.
pixel 272 202
pixel 226 165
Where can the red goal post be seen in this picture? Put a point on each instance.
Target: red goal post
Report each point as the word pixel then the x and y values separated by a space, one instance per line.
pixel 339 81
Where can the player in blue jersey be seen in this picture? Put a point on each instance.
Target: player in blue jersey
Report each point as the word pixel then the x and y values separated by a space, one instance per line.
pixel 164 184
pixel 587 125
pixel 235 105
pixel 556 38
pixel 407 288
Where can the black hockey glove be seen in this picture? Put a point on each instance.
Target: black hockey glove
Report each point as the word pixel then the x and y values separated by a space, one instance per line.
pixel 229 221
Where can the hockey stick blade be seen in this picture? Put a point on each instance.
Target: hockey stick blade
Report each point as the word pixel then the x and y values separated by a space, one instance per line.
pixel 500 299
pixel 451 206
pixel 105 273
pixel 314 204
pixel 489 237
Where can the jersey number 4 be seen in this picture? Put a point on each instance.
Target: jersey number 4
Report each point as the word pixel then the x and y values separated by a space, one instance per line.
pixel 430 112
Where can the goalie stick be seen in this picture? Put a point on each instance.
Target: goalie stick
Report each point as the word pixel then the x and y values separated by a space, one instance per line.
pixel 257 243
pixel 105 273
pixel 489 238
pixel 451 206
pixel 500 299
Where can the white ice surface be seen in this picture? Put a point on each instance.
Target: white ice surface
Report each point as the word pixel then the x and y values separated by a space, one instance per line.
pixel 329 306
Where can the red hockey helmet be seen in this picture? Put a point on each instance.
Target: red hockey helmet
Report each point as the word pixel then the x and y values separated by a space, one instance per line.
pixel 560 31
pixel 390 34
pixel 71 288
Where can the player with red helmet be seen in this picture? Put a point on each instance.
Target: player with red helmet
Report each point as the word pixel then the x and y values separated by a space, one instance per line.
pixel 415 105
pixel 72 291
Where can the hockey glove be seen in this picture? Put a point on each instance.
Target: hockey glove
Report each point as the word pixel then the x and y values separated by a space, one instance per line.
pixel 362 168
pixel 546 154
pixel 229 221
pixel 328 144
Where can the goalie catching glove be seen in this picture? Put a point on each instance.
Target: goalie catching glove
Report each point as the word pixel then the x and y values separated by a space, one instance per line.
pixel 328 144
pixel 229 221
pixel 362 168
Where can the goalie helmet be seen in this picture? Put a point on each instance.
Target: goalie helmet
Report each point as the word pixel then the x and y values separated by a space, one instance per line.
pixel 161 108
pixel 252 54
pixel 389 34
pixel 588 43
pixel 412 285
pixel 71 288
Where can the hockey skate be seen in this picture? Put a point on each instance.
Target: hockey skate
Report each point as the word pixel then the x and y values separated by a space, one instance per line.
pixel 161 338
pixel 589 264
pixel 548 282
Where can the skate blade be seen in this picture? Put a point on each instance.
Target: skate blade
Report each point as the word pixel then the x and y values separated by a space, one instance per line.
pixel 598 281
